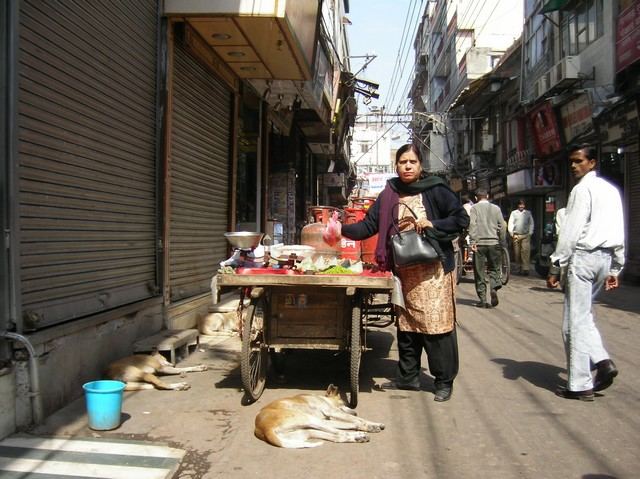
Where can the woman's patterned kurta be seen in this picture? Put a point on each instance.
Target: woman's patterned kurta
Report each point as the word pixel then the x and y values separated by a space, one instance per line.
pixel 429 292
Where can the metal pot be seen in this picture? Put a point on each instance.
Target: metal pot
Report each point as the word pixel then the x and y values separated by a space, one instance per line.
pixel 244 239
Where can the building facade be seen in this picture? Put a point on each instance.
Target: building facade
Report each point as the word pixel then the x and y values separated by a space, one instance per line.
pixel 577 82
pixel 457 42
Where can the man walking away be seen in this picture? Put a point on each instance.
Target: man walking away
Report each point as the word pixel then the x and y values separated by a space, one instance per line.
pixel 486 233
pixel 520 229
pixel 591 243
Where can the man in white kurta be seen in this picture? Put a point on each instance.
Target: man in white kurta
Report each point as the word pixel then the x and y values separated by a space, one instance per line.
pixel 591 246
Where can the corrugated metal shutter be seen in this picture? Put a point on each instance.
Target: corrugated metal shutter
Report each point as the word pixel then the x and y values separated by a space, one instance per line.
pixel 201 122
pixel 632 157
pixel 87 110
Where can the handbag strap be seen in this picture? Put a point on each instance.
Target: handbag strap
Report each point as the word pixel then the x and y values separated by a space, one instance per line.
pixel 394 221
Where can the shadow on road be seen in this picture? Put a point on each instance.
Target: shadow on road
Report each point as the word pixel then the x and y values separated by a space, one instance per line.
pixel 545 376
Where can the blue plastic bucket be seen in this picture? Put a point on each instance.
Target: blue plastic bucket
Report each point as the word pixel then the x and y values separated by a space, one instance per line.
pixel 104 403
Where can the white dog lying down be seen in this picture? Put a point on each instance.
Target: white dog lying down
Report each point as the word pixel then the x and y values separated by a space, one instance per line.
pixel 302 420
pixel 139 372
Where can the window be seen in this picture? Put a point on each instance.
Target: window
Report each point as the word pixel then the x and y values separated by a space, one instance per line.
pixel 248 194
pixel 364 147
pixel 538 37
pixel 582 27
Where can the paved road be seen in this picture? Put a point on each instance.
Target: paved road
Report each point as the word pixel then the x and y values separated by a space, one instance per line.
pixel 503 421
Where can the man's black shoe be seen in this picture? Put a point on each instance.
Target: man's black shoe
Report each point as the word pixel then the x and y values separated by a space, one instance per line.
pixel 525 273
pixel 482 304
pixel 494 298
pixel 604 377
pixel 580 395
pixel 395 385
pixel 443 394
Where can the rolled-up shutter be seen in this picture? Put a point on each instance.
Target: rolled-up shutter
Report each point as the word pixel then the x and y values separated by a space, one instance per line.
pixel 632 158
pixel 86 139
pixel 199 168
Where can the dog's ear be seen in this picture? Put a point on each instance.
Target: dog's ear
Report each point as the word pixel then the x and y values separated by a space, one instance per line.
pixel 332 391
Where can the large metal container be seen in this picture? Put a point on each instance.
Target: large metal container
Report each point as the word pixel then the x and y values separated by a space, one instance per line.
pixel 368 246
pixel 244 239
pixel 351 249
pixel 311 234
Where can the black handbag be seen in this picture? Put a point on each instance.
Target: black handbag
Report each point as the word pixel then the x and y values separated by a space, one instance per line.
pixel 411 248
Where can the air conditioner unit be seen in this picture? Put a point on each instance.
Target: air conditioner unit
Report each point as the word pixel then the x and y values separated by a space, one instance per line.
pixel 565 72
pixel 540 87
pixel 487 142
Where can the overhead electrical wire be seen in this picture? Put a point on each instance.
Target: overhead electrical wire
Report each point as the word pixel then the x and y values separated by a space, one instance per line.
pixel 400 47
pixel 400 74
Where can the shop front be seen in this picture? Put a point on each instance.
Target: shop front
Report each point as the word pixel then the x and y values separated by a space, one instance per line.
pixel 619 163
pixel 541 183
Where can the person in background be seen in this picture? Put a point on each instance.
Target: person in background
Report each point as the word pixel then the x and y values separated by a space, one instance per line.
pixel 463 241
pixel 520 227
pixel 467 202
pixel 559 221
pixel 591 246
pixel 428 319
pixel 486 234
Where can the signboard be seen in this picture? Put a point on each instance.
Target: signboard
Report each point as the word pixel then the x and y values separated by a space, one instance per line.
pixel 576 117
pixel 546 173
pixel 628 37
pixel 497 188
pixel 621 124
pixel 377 181
pixel 546 134
pixel 519 181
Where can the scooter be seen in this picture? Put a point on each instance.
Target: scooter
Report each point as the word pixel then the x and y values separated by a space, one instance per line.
pixel 547 247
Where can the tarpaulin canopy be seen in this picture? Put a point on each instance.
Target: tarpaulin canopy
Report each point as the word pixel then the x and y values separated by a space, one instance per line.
pixel 553 5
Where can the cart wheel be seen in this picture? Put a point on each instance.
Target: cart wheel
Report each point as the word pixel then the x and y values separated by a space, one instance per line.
pixel 356 351
pixel 253 364
pixel 506 266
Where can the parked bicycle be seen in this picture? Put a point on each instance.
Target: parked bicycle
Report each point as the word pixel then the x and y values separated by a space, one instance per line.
pixel 464 262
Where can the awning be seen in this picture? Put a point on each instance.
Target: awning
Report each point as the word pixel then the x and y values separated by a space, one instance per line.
pixel 553 5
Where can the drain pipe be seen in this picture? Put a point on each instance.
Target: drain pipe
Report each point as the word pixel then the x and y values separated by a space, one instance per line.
pixel 36 399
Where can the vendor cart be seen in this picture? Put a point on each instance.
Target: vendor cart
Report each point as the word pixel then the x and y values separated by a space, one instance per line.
pixel 286 309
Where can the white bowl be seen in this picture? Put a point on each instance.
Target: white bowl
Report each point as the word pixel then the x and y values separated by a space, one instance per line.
pixel 282 252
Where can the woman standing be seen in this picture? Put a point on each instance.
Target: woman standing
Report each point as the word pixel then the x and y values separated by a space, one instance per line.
pixel 428 319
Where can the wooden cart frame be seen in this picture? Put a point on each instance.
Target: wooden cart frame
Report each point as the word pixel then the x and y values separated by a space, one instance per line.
pixel 296 311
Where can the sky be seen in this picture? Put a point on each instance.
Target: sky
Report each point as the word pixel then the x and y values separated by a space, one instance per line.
pixel 385 28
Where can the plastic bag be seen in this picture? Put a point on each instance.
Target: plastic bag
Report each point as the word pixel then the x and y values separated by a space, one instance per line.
pixel 333 231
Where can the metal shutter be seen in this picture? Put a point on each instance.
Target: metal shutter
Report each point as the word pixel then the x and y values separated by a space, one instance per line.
pixel 632 157
pixel 87 113
pixel 199 168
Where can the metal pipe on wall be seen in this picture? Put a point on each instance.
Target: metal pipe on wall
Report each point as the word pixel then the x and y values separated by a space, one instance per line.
pixel 34 376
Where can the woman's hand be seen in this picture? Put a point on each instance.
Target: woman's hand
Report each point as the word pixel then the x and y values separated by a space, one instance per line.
pixel 422 224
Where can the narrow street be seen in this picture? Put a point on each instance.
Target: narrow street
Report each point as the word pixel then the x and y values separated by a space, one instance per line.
pixel 503 420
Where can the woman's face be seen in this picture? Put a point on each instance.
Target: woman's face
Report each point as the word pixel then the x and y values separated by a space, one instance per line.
pixel 408 167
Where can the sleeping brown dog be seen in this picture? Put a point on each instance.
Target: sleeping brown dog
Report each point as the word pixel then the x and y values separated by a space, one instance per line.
pixel 307 419
pixel 139 372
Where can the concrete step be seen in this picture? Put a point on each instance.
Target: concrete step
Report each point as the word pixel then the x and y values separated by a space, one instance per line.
pixel 173 344
pixel 32 457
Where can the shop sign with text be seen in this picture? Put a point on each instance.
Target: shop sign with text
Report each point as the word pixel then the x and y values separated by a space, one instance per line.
pixel 545 130
pixel 576 117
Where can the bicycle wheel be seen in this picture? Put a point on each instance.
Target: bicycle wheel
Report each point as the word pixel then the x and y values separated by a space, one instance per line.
pixel 506 266
pixel 253 363
pixel 355 351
